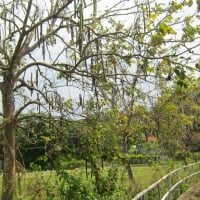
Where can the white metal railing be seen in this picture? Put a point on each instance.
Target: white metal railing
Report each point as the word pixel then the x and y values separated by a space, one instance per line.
pixel 168 193
pixel 163 189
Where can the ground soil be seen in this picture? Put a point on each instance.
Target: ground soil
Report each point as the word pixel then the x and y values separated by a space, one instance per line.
pixel 192 194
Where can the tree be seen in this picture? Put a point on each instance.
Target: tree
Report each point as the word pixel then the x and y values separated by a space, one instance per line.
pixel 175 115
pixel 188 107
pixel 158 51
pixel 39 39
pixel 36 137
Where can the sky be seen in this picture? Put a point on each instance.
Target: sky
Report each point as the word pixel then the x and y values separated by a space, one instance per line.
pixel 72 92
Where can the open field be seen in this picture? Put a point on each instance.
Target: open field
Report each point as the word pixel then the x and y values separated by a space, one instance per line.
pixel 39 185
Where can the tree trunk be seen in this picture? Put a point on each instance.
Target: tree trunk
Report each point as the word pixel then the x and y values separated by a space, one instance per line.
pixel 8 184
pixel 130 172
pixel 126 162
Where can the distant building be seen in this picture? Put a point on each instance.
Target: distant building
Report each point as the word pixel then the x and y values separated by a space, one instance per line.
pixel 151 139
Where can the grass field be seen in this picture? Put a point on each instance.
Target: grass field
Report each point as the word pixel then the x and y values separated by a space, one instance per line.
pixel 39 185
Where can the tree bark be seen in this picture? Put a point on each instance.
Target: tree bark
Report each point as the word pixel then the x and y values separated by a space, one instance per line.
pixel 8 184
pixel 126 162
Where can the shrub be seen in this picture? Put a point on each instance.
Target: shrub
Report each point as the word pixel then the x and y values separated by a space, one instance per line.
pixel 141 159
pixel 196 156
pixel 107 184
pixel 72 187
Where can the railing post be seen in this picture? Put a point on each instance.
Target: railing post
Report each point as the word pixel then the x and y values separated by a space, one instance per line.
pixel 169 186
pixel 179 186
pixel 199 170
pixel 159 192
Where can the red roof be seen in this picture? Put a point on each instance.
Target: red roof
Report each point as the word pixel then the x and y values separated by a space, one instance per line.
pixel 151 139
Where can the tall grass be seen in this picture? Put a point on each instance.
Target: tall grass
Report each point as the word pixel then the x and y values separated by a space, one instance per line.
pixel 47 185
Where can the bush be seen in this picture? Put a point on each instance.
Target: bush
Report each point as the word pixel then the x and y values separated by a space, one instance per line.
pixel 196 156
pixel 183 155
pixel 142 159
pixel 72 187
pixel 107 184
pixel 73 163
pixel 76 187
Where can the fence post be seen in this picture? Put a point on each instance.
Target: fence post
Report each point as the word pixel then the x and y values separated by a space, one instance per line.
pixel 143 197
pixel 169 186
pixel 159 192
pixel 179 186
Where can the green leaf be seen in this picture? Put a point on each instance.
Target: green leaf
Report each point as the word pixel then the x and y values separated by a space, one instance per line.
pixel 188 3
pixel 157 39
pixel 198 4
pixel 163 28
pixel 182 84
pixel 45 138
pixel 176 6
pixel 171 31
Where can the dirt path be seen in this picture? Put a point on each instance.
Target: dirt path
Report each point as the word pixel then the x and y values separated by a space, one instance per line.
pixel 191 194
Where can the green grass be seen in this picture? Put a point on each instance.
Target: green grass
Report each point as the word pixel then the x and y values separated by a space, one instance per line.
pixel 36 186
